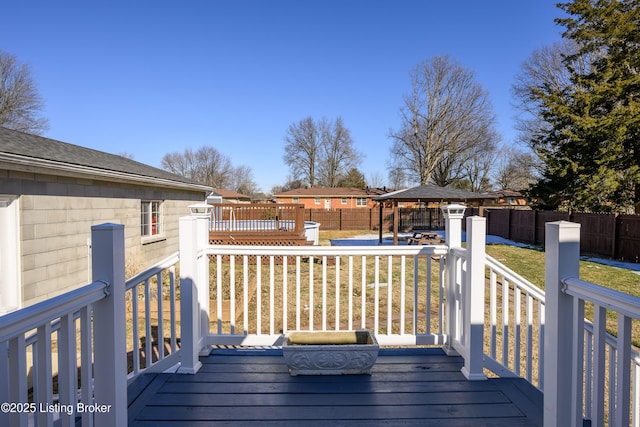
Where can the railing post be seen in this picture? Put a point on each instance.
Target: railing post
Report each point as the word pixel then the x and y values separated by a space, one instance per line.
pixel 453 215
pixel 473 300
pixel 109 329
pixel 562 256
pixel 189 302
pixel 202 283
pixel 299 219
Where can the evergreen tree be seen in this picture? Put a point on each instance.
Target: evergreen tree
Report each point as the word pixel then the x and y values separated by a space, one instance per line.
pixel 354 179
pixel 591 147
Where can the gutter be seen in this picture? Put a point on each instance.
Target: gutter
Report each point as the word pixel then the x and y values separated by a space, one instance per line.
pixel 50 167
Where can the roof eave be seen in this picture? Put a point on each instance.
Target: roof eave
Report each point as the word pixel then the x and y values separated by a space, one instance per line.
pixel 50 167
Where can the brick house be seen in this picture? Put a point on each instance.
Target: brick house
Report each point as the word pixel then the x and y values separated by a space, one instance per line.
pixel 332 197
pixel 510 198
pixel 228 196
pixel 52 192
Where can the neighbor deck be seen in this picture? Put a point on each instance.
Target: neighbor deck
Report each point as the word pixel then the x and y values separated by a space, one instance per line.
pixel 415 386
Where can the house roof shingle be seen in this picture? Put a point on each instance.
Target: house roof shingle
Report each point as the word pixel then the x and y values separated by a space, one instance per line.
pixel 228 194
pixel 19 147
pixel 506 193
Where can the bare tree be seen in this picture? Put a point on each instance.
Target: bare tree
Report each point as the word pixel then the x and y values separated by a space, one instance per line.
pixel 320 153
pixel 547 70
pixel 375 180
pixel 444 118
pixel 126 155
pixel 290 184
pixel 338 155
pixel 472 165
pixel 205 165
pixel 20 103
pixel 477 169
pixel 302 150
pixel 241 180
pixel 516 169
pixel 397 177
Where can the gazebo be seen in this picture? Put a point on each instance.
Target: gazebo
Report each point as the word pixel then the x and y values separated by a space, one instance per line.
pixel 426 193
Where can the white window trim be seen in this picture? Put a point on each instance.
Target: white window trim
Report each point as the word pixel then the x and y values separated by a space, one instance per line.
pixel 150 238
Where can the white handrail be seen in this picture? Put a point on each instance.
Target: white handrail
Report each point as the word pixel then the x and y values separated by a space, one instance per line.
pixel 325 250
pixel 169 261
pixel 514 277
pixel 625 304
pixel 29 318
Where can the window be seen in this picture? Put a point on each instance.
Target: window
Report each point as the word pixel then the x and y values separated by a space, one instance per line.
pixel 317 200
pixel 361 201
pixel 151 218
pixel 296 200
pixel 344 200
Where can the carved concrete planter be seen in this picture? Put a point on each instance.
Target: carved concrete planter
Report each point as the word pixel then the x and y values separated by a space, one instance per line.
pixel 330 353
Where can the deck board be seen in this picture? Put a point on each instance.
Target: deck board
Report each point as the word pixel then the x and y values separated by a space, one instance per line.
pixel 407 387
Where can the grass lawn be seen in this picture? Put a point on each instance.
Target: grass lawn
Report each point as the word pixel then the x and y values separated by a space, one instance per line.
pixel 530 264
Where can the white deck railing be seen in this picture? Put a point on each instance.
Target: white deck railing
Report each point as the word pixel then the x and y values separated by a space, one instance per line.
pixel 589 374
pixel 90 325
pixel 27 337
pixel 388 289
pixel 607 383
pixel 397 291
pixel 86 330
pixel 406 295
pixel 150 296
pixel 515 325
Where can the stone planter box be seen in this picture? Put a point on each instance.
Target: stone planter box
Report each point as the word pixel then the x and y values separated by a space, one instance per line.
pixel 330 352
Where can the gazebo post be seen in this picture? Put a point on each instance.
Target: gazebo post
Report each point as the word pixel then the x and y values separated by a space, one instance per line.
pixel 396 220
pixel 381 203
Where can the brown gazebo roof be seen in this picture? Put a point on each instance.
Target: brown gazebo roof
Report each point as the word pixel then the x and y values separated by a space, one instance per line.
pixel 426 193
pixel 433 193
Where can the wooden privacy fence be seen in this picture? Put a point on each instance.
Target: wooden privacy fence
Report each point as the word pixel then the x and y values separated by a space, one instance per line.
pixel 348 219
pixel 610 235
pixel 369 218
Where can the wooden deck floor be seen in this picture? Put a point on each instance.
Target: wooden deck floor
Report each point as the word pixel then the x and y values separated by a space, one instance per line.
pixel 407 387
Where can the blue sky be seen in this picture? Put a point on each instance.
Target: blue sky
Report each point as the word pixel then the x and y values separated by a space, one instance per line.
pixel 153 77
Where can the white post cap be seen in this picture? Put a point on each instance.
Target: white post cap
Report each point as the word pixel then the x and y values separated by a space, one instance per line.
pixel 453 210
pixel 200 209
